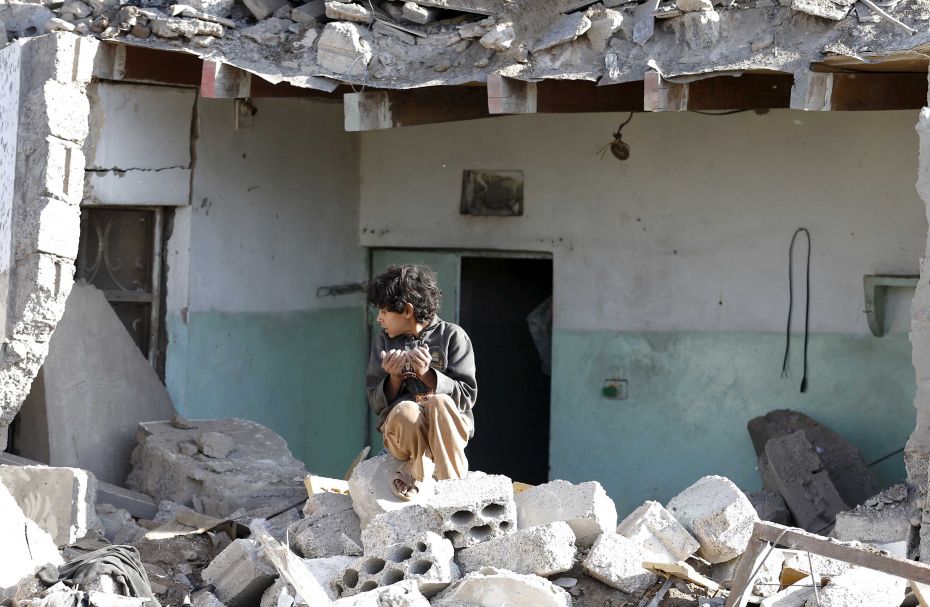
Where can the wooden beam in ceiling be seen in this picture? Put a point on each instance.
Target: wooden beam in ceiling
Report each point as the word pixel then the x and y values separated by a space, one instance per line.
pixel 717 93
pixel 127 63
pixel 376 110
pixel 860 91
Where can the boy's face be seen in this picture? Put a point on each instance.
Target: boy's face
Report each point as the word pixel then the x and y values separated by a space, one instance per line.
pixel 397 323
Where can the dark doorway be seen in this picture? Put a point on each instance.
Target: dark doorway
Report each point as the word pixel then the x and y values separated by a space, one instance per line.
pixel 512 413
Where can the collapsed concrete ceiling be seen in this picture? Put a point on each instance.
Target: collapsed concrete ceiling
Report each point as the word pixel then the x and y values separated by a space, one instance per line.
pixel 389 44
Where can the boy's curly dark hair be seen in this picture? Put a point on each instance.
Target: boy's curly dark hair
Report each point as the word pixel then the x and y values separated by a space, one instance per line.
pixel 397 286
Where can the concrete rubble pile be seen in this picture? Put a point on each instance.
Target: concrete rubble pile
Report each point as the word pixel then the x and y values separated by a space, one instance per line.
pixel 398 44
pixel 234 526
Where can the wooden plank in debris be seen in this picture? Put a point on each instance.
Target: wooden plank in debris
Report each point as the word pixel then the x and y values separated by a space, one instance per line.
pixel 127 63
pixel 746 92
pixel 681 570
pixel 860 91
pixel 661 95
pixel 797 539
pixel 371 111
pixel 321 484
pixel 223 81
pixel 510 96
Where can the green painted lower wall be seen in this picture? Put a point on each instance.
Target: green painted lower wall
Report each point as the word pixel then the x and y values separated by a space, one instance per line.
pixel 299 373
pixel 691 394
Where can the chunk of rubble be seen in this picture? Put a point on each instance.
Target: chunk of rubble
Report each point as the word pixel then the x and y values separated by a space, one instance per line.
pixel 618 562
pixel 659 533
pixel 718 515
pixel 585 507
pixel 60 500
pixel 568 28
pixel 770 506
pixel 415 13
pixel 216 445
pixel 331 528
pixel 826 9
pixel 795 595
pixel 797 562
pixel 882 519
pixel 426 559
pixel 767 581
pixel 401 594
pixel 26 547
pixel 491 587
pixel 791 467
pixel 369 486
pixel 309 13
pixel 118 525
pixel 475 509
pixel 499 37
pixel 325 570
pixel 605 22
pixel 260 470
pixel 399 525
pixel 543 550
pixel 207 599
pixel 240 574
pixel 342 49
pixel 348 11
pixel 262 9
pixel 844 463
pixel 861 586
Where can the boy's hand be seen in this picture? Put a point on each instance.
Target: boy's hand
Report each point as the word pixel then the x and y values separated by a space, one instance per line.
pixel 420 359
pixel 393 362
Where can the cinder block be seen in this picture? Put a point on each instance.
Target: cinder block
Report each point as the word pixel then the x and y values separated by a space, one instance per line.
pixel 327 533
pixel 426 560
pixel 464 511
pixel 543 550
pixel 791 467
pixel 586 508
pixel 401 594
pixel 618 562
pixel 491 586
pixel 55 168
pixel 48 226
pixel 60 500
pixel 861 586
pixel 475 509
pixel 718 515
pixel 44 116
pixel 661 536
pixel 240 574
pixel 371 491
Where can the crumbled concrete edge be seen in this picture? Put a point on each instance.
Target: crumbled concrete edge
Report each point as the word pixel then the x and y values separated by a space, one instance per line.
pixel 53 72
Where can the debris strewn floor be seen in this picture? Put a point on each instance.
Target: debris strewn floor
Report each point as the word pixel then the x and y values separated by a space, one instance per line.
pixel 238 526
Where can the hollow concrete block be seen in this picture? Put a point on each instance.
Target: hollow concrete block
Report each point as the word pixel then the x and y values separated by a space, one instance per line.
pixel 240 574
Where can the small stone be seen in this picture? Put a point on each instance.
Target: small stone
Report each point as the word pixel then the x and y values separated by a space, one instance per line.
pixel 216 445
pixel 472 30
pixel 76 8
pixel 188 448
pixel 762 42
pixel 262 9
pixel 141 31
pixel 442 66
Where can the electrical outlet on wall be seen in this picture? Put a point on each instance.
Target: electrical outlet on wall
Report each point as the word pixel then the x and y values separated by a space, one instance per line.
pixel 615 388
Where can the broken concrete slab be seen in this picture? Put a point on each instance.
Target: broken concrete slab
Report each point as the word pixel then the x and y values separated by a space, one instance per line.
pixel 325 570
pixel 401 594
pixel 883 519
pixel 618 562
pixel 399 525
pixel 342 49
pixel 60 500
pixel 826 9
pixel 791 467
pixel 309 13
pixel 842 460
pixel 26 547
pixel 861 586
pixel 659 533
pixel 426 559
pixel 586 508
pixel 490 587
pixel 330 528
pixel 422 15
pixel 64 407
pixel 260 470
pixel 348 11
pixel 770 506
pixel 718 515
pixel 262 9
pixel 824 567
pixel 543 550
pixel 475 509
pixel 795 595
pixel 240 574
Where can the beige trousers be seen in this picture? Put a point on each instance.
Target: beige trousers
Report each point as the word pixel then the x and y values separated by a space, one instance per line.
pixel 432 435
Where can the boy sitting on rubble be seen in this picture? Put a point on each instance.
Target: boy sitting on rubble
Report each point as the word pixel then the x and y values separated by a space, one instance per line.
pixel 421 380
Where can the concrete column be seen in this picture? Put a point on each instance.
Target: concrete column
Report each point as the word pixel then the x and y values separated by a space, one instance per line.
pixel 917 450
pixel 43 127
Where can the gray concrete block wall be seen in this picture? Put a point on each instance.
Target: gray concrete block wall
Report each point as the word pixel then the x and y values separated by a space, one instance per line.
pixel 40 219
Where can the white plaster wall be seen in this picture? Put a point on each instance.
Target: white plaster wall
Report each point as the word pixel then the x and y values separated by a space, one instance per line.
pixel 275 208
pixel 9 119
pixel 139 149
pixel 691 233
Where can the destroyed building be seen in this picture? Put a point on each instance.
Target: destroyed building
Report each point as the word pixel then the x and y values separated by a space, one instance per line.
pixel 192 197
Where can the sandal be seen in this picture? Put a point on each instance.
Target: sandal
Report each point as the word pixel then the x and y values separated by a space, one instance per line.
pixel 403 484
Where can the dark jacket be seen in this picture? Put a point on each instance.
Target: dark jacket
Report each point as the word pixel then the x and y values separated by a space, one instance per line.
pixel 453 361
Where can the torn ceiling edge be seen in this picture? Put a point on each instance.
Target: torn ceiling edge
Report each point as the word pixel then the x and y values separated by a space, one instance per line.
pixel 772 39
